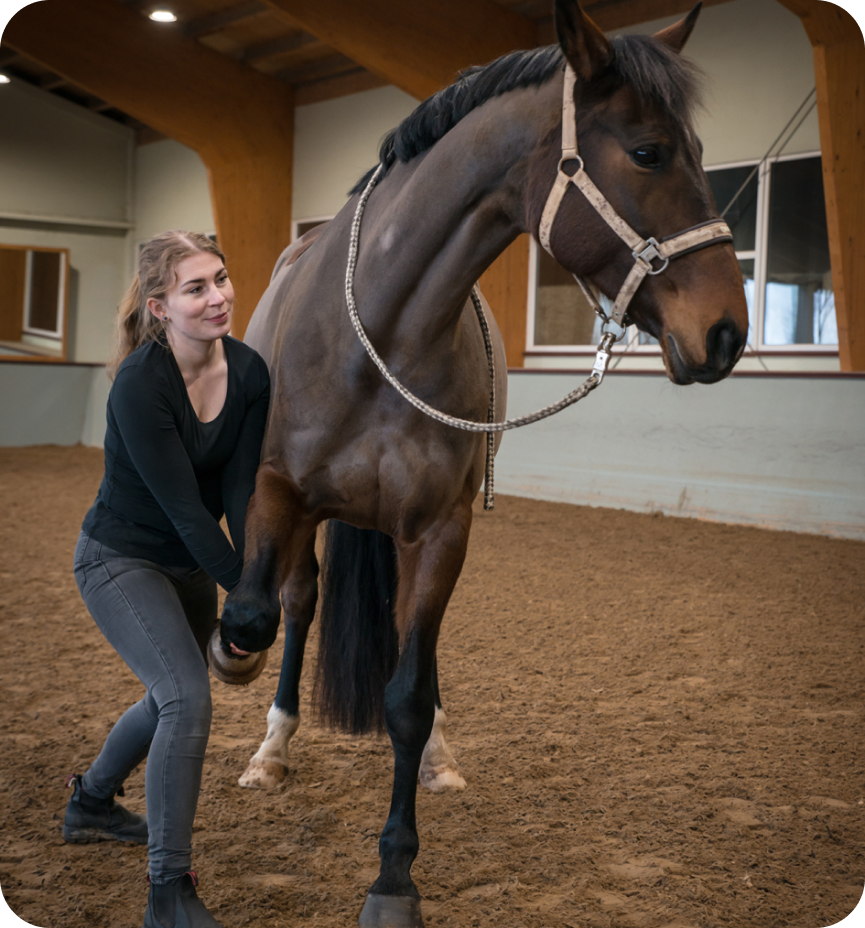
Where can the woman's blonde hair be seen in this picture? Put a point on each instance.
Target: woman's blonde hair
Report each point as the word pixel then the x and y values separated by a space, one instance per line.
pixel 157 264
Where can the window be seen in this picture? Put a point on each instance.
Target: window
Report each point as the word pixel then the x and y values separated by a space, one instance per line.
pixel 33 300
pixel 778 219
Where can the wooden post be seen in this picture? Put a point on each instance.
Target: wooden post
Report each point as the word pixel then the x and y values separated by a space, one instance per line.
pixel 505 286
pixel 839 71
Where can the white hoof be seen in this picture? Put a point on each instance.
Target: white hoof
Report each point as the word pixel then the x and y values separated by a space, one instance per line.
pixel 438 779
pixel 263 774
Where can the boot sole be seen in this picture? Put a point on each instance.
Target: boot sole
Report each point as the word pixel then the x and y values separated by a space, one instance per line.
pixel 94 835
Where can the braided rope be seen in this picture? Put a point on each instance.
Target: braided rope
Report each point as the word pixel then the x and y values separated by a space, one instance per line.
pixel 574 396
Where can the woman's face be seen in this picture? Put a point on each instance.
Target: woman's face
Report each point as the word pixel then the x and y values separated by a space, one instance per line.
pixel 199 305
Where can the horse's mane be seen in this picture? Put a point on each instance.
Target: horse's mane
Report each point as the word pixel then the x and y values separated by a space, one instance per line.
pixel 661 78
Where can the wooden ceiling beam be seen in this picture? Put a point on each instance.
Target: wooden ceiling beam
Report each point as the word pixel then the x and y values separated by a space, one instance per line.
pixel 216 22
pixel 839 72
pixel 238 120
pixel 420 48
pixel 279 46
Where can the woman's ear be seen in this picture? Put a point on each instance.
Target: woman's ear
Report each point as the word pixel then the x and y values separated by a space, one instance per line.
pixel 157 309
pixel 586 48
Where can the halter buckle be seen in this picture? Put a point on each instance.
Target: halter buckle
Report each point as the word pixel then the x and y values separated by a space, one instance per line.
pixel 652 252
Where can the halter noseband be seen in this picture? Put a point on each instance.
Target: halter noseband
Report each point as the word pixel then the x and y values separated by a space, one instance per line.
pixel 645 251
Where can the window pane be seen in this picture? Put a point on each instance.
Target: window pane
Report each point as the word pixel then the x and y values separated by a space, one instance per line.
pixel 741 216
pixel 562 313
pixel 44 291
pixel 800 304
pixel 747 267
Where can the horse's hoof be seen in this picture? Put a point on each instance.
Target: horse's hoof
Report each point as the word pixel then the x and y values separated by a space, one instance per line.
pixel 263 774
pixel 390 912
pixel 236 671
pixel 438 779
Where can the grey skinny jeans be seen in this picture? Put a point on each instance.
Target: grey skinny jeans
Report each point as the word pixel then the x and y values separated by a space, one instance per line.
pixel 159 620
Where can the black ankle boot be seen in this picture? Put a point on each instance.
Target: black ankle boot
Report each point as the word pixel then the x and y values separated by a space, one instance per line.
pixel 176 905
pixel 89 819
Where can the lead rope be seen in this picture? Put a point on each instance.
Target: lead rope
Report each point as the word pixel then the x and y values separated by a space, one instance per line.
pixel 490 427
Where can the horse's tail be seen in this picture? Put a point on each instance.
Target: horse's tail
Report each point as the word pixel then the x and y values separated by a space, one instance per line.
pixel 358 646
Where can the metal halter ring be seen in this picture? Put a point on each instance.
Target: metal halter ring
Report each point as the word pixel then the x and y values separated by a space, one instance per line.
pixel 565 159
pixel 605 321
pixel 652 252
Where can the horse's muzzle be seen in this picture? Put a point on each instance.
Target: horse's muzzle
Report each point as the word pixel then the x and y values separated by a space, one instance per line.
pixel 725 343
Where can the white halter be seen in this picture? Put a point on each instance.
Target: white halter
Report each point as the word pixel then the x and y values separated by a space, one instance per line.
pixel 645 251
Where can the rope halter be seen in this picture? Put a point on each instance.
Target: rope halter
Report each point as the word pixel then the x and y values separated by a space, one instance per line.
pixel 645 251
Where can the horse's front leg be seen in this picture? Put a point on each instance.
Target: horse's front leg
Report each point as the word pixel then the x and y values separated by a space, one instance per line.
pixel 269 766
pixel 276 533
pixel 428 570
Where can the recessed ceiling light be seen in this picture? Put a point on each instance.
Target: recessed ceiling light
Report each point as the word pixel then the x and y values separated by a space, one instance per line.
pixel 4 79
pixel 163 16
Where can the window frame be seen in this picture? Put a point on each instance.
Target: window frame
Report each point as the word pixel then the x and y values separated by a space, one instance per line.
pixel 56 334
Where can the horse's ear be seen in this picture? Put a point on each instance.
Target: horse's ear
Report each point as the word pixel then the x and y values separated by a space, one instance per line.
pixel 586 48
pixel 676 35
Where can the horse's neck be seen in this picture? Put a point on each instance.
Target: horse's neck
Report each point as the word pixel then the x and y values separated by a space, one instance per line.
pixel 439 221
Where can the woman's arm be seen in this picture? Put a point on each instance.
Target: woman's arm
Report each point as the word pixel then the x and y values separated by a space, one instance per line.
pixel 238 475
pixel 146 421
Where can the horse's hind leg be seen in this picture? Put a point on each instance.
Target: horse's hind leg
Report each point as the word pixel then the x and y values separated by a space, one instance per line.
pixel 428 570
pixel 269 766
pixel 438 769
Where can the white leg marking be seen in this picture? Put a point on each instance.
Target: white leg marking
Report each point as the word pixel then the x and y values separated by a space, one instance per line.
pixel 269 765
pixel 438 769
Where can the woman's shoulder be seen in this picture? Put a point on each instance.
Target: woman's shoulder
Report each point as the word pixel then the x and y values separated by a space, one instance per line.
pixel 148 365
pixel 247 362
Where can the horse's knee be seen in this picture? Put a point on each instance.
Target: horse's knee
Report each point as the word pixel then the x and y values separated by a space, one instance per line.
pixel 250 619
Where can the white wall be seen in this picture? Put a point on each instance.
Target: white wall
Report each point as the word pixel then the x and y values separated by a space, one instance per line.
pixel 337 141
pixel 759 67
pixel 781 452
pixel 171 190
pixel 65 181
pixel 60 160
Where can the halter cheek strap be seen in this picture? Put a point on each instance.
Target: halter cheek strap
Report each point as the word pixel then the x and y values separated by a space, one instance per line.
pixel 645 251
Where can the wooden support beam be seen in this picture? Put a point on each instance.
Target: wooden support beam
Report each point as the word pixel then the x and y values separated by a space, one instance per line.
pixel 328 88
pixel 505 287
pixel 839 71
pixel 273 48
pixel 239 121
pixel 419 47
pixel 216 22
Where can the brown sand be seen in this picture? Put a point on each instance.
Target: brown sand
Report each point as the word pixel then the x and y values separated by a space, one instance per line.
pixel 659 719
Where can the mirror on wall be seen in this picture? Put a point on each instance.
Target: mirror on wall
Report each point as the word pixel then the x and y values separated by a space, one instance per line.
pixel 34 284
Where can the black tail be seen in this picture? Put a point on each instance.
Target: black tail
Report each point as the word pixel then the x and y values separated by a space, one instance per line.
pixel 358 646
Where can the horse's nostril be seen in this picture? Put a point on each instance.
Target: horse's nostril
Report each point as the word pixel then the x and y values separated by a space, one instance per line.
pixel 723 344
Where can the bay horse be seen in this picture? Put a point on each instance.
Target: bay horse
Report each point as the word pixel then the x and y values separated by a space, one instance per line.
pixel 461 178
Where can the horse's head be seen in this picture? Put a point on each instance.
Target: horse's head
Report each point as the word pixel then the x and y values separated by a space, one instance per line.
pixel 633 99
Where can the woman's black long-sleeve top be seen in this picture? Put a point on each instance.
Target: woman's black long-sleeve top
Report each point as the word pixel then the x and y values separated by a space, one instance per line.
pixel 169 477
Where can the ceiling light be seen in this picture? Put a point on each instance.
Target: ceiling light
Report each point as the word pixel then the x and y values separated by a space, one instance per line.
pixel 163 16
pixel 4 79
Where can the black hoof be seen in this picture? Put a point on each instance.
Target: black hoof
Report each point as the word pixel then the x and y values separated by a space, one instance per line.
pixel 390 912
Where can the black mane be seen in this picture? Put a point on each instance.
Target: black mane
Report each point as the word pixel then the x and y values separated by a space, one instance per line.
pixel 661 78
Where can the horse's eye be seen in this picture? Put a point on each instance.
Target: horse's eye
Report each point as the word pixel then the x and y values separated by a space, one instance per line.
pixel 646 157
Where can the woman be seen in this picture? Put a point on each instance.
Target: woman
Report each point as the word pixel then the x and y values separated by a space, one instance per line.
pixel 186 418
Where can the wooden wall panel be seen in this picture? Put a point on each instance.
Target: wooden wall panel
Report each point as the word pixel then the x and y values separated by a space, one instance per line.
pixel 13 263
pixel 839 70
pixel 505 287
